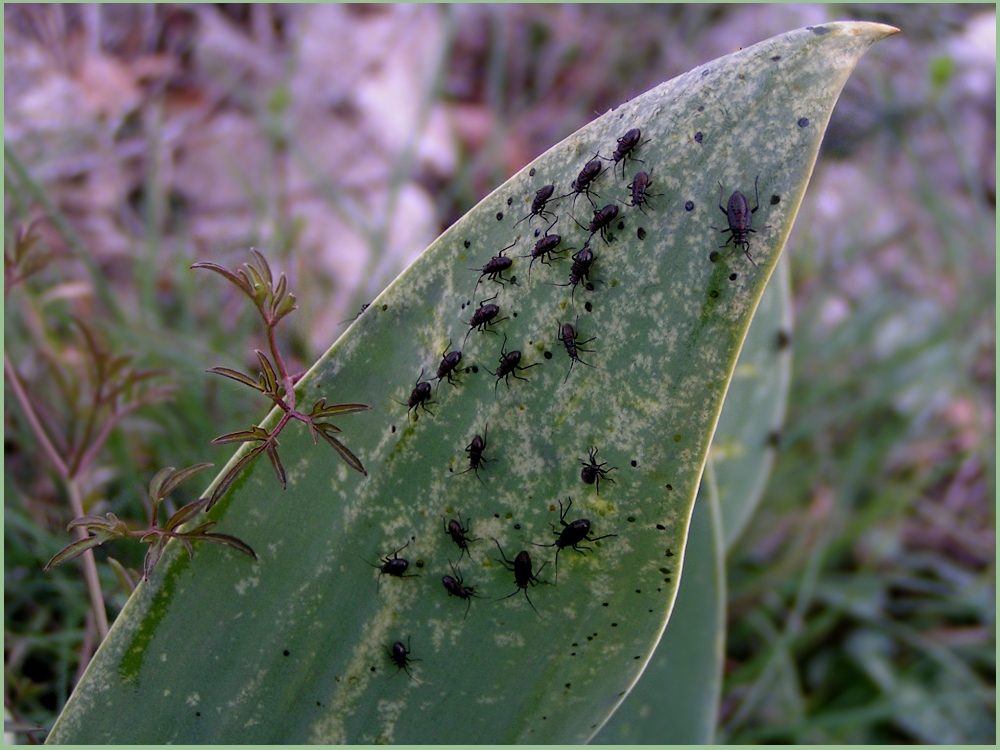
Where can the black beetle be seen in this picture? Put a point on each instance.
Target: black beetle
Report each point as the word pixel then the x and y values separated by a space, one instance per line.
pixel 602 218
pixel 594 472
pixel 740 217
pixel 510 363
pixel 458 533
pixel 392 566
pixel 590 172
pixel 640 190
pixel 567 334
pixel 544 248
pixel 455 586
pixel 626 145
pixel 475 450
pixel 449 361
pixel 542 197
pixel 484 316
pixel 582 263
pixel 571 535
pixel 400 656
pixel 419 397
pixel 521 568
pixel 494 269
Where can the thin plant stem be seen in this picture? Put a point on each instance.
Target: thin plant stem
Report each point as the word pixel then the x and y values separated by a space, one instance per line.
pixel 29 412
pixel 89 564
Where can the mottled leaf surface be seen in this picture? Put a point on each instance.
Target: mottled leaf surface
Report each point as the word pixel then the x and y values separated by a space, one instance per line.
pixel 293 648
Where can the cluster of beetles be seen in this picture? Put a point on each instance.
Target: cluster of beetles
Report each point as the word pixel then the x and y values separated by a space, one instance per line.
pixel 571 534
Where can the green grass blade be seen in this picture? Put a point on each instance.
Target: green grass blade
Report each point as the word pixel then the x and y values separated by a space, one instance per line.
pixel 293 648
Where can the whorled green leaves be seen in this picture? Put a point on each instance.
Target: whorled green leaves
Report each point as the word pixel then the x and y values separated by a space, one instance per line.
pixel 294 648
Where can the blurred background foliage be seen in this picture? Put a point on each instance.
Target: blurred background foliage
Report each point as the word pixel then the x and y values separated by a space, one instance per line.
pixel 340 140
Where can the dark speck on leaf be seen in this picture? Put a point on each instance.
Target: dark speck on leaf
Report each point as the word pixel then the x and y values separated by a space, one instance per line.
pixel 704 72
pixel 517 526
pixel 373 669
pixel 588 307
pixel 547 355
pixel 621 225
pixel 496 515
pixel 701 108
pixel 286 652
pixel 605 604
pixel 661 527
pixel 631 519
pixel 819 30
pixel 475 369
pixel 634 464
pixel 714 293
pixel 509 201
pixel 531 172
pixel 713 256
pixel 384 308
pixel 732 277
pixel 538 232
pixel 640 233
pixel 775 200
pixel 776 58
pixel 467 244
pixel 514 314
pixel 803 122
pixel 614 624
pixel 393 428
pixel 499 215
pixel 670 488
pixel 698 136
pixel 689 206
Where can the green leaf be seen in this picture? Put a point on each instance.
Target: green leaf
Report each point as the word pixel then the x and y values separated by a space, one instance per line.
pixel 238 377
pixel 749 428
pixel 74 550
pixel 676 699
pixel 300 636
pixel 320 409
pixel 171 483
pixel 267 372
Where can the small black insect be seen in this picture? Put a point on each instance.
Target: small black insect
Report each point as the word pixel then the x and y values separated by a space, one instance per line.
pixel 594 472
pixel 740 217
pixel 418 397
pixel 571 535
pixel 640 190
pixel 567 334
pixel 475 450
pixel 603 217
pixel 521 567
pixel 542 197
pixel 626 145
pixel 544 250
pixel 400 656
pixel 364 307
pixel 458 532
pixel 580 271
pixel 510 363
pixel 455 586
pixel 484 316
pixel 590 172
pixel 449 361
pixel 494 269
pixel 392 566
